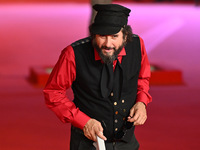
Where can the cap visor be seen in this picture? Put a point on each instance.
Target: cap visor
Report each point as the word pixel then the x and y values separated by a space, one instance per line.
pixel 105 30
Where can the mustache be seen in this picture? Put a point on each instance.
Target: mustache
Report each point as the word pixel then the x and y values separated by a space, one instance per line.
pixel 107 48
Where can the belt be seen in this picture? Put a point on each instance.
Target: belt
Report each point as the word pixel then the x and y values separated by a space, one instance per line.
pixel 77 130
pixel 112 140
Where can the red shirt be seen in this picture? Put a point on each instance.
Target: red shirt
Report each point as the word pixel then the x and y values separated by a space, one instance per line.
pixel 63 75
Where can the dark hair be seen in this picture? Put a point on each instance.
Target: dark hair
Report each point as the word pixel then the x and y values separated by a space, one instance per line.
pixel 127 31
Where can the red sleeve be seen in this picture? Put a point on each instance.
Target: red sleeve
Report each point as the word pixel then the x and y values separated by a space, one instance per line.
pixel 144 76
pixel 61 79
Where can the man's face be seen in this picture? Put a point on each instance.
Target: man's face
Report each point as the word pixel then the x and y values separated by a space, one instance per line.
pixel 109 46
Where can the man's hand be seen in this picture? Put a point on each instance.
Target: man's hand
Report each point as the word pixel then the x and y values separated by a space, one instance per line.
pixel 93 128
pixel 138 114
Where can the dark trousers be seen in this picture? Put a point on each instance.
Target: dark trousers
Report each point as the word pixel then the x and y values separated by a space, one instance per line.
pixel 80 142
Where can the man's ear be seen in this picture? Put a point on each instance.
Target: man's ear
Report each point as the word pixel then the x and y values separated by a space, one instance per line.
pixel 125 38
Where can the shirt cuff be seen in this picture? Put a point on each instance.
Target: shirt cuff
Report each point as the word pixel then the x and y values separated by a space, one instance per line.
pixel 145 98
pixel 80 120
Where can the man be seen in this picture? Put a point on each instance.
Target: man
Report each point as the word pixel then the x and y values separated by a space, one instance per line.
pixel 109 74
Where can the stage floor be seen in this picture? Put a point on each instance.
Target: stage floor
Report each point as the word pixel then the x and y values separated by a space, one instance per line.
pixel 35 34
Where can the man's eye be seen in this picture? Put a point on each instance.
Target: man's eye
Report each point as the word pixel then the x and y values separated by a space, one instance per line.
pixel 102 36
pixel 115 36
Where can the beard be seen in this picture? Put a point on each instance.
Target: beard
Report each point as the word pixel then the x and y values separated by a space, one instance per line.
pixel 108 59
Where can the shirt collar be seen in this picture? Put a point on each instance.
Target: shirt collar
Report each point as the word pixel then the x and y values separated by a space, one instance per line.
pixel 97 57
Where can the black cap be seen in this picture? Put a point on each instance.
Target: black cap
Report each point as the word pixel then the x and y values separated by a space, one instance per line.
pixel 110 19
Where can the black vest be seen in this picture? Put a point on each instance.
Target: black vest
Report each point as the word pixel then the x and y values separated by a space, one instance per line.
pixel 113 110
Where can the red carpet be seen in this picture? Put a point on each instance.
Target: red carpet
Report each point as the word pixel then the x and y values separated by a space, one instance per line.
pixel 34 35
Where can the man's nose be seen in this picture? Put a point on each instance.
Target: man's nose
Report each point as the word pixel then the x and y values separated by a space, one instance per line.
pixel 108 42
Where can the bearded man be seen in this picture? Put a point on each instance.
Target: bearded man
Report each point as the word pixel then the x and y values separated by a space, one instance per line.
pixel 109 74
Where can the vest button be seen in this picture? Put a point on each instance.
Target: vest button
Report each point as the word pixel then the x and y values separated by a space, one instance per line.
pixel 124 118
pixel 116 120
pixel 124 110
pixel 116 112
pixel 116 129
pixel 123 101
pixel 115 103
pixel 111 94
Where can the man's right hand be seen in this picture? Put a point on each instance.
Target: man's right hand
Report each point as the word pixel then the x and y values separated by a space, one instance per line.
pixel 92 129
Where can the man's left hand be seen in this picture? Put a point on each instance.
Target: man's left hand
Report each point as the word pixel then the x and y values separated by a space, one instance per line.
pixel 138 114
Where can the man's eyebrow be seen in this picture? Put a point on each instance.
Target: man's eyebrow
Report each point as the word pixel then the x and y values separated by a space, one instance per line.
pixel 115 34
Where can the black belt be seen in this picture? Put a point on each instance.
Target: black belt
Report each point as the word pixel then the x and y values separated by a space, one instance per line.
pixel 77 130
